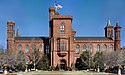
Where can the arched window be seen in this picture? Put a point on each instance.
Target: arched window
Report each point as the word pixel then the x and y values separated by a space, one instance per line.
pixel 62 28
pixel 91 48
pixel 77 48
pixel 104 48
pixel 40 48
pixel 33 47
pixel 20 48
pixel 98 48
pixel 84 48
pixel 110 48
pixel 27 48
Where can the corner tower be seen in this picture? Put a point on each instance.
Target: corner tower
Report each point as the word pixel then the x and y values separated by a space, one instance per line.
pixel 117 30
pixel 10 35
pixel 109 30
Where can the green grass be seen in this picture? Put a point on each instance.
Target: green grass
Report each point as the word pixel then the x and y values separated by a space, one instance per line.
pixel 64 73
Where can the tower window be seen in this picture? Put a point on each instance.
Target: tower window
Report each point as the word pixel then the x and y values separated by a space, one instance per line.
pixel 63 46
pixel 58 44
pixel 47 49
pixel 109 34
pixel 62 28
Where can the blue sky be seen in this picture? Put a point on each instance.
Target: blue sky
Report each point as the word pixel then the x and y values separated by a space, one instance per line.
pixel 89 16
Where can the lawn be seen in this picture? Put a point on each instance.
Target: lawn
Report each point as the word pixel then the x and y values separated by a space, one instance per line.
pixel 62 73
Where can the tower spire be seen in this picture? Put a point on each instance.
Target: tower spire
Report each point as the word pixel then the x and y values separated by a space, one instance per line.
pixel 17 33
pixel 109 23
pixel 117 23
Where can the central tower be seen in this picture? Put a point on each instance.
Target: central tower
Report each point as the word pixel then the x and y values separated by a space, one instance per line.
pixel 61 39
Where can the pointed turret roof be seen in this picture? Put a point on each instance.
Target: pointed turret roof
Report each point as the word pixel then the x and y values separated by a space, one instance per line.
pixel 117 23
pixel 17 33
pixel 109 23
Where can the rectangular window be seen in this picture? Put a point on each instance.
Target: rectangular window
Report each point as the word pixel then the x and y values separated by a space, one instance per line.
pixel 47 49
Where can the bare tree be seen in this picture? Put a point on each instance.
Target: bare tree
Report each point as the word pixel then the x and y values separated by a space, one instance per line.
pixel 35 56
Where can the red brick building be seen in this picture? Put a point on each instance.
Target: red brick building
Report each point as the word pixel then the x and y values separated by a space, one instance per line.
pixel 63 46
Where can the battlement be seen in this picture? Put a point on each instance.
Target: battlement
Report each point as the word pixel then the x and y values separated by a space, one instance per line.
pixel 56 15
pixel 62 17
pixel 10 22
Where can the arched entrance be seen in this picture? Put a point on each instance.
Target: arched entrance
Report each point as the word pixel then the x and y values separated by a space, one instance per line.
pixel 63 64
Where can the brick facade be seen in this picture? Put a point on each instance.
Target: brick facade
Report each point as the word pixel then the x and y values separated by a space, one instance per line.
pixel 63 46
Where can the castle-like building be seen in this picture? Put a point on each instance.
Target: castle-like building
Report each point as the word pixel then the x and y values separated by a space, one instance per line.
pixel 62 45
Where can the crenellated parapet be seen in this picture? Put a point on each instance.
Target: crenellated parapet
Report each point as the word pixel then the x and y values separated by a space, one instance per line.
pixel 56 15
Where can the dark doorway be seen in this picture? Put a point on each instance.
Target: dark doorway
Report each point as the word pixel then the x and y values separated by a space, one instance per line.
pixel 63 64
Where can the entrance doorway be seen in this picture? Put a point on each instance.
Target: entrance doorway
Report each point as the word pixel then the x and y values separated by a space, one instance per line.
pixel 63 64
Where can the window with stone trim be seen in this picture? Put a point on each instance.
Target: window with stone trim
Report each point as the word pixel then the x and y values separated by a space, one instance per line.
pixel 91 48
pixel 77 48
pixel 84 47
pixel 62 28
pixel 33 47
pixel 58 45
pixel 40 48
pixel 47 49
pixel 27 48
pixel 104 48
pixel 63 46
pixel 19 48
pixel 110 48
pixel 98 48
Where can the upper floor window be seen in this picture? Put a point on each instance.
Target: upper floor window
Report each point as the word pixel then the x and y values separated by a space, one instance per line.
pixel 77 48
pixel 62 28
pixel 40 48
pixel 20 48
pixel 104 48
pixel 98 48
pixel 27 48
pixel 84 48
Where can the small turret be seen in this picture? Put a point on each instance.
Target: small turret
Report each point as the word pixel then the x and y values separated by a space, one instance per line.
pixel 117 30
pixel 10 35
pixel 109 30
pixel 51 12
pixel 108 23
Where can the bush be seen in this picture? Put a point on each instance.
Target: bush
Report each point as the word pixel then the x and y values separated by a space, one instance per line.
pixel 43 64
pixel 20 67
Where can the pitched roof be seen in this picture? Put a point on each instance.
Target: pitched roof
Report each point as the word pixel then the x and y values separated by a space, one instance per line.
pixel 92 38
pixel 31 38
